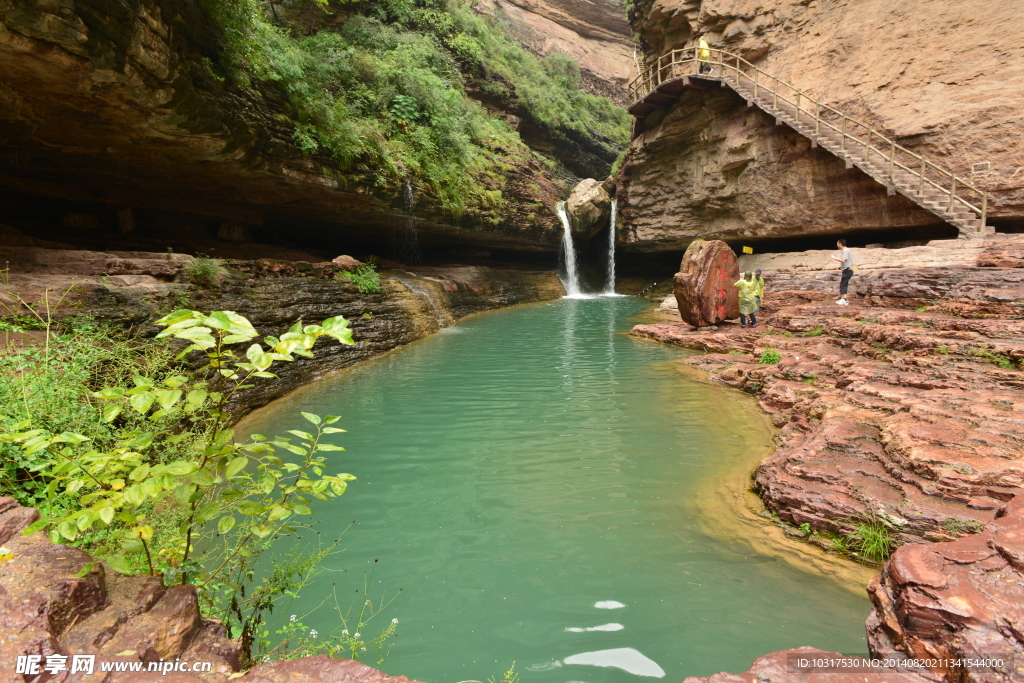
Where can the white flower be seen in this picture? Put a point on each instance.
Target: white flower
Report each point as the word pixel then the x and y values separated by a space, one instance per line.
pixel 345 632
pixel 394 621
pixel 292 618
pixel 357 635
pixel 312 633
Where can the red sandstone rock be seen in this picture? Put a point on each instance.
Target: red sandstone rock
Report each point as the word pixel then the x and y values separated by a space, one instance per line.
pixel 954 600
pixel 704 284
pixel 319 669
pixel 900 414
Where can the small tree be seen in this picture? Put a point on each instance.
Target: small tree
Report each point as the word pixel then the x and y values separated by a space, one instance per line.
pixel 232 500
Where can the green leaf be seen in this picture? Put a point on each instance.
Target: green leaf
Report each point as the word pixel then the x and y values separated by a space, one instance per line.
pixel 35 526
pixel 195 398
pixel 267 481
pixel 107 515
pixel 142 402
pixel 110 392
pixel 302 435
pixel 334 430
pixel 250 508
pixel 328 447
pixel 168 397
pixel 225 524
pixel 331 419
pixel 119 564
pixel 181 468
pixel 207 512
pixel 310 417
pixel 302 509
pixel 235 465
pixel 338 487
pixel 278 512
pixel 182 315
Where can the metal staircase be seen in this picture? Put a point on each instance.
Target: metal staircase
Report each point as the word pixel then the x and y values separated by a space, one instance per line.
pixel 932 187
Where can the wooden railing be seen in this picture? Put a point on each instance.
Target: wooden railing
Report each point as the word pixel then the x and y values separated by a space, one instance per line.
pixel 903 168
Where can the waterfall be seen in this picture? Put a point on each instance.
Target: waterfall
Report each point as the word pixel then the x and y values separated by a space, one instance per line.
pixel 609 282
pixel 404 235
pixel 572 278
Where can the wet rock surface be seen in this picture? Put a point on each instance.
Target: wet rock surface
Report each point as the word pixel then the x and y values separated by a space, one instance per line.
pixel 589 208
pixel 958 600
pixel 704 291
pixel 274 294
pixel 56 600
pixel 904 408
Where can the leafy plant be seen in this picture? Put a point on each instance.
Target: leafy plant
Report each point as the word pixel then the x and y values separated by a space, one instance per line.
pixel 232 500
pixel 769 356
pixel 205 271
pixel 815 331
pixel 995 358
pixel 811 378
pixel 942 350
pixel 365 278
pixel 805 527
pixel 921 309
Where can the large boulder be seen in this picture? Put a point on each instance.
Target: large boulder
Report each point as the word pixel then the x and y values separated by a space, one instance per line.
pixel 589 208
pixel 704 284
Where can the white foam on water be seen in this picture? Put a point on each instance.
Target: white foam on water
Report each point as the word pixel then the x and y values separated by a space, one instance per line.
pixel 608 604
pixel 625 658
pixel 602 627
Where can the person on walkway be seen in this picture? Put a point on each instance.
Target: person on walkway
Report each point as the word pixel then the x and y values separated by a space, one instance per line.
pixel 759 295
pixel 845 260
pixel 704 54
pixel 748 289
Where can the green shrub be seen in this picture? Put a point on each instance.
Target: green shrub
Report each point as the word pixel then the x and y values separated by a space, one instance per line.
pixel 204 271
pixel 365 278
pixel 815 331
pixel 959 527
pixel 769 356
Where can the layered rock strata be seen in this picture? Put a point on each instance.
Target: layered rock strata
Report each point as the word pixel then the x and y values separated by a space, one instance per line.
pixel 110 104
pixel 132 289
pixel 943 79
pixel 906 406
pixel 961 600
pixel 57 600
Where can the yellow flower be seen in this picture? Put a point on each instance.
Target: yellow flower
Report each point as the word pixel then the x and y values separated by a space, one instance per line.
pixel 6 555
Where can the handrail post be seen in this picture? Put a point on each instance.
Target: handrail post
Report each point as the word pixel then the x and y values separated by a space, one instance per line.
pixel 984 211
pixel 798 106
pixel 756 70
pixel 817 120
pixel 867 145
pixel 920 187
pixel 952 192
pixel 842 145
pixel 892 161
pixel 775 93
pixel 737 71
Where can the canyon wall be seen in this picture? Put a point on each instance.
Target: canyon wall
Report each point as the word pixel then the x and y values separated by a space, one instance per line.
pixel 594 32
pixel 944 79
pixel 116 105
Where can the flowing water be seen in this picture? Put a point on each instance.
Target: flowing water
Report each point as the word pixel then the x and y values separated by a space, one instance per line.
pixel 531 479
pixel 571 279
pixel 609 281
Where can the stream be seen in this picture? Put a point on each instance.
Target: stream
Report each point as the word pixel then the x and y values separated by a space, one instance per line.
pixel 530 479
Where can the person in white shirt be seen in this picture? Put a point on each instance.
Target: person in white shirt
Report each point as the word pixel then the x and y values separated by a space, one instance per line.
pixel 845 260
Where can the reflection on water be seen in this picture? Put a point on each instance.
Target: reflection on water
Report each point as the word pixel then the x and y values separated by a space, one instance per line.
pixel 538 472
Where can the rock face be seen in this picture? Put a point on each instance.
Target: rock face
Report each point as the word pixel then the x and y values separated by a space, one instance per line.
pixel 704 291
pixel 780 667
pixel 904 406
pixel 52 603
pixel 935 76
pixel 596 34
pixel 107 104
pixel 126 288
pixel 962 599
pixel 589 207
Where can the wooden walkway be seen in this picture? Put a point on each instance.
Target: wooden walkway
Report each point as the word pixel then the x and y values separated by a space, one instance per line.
pixel 933 188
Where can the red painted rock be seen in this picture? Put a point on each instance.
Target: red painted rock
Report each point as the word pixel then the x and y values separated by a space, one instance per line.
pixel 704 284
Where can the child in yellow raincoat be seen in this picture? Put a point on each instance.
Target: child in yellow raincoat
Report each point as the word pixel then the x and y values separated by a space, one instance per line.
pixel 748 291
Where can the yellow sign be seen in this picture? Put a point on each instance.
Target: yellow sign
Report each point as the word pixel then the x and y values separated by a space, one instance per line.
pixel 748 250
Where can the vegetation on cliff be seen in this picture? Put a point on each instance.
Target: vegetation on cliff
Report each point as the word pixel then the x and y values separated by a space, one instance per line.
pixel 382 91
